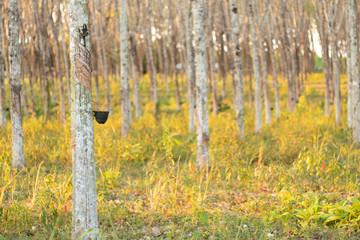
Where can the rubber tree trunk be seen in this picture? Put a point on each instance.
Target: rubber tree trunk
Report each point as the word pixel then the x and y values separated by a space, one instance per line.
pixel 265 79
pixel 336 77
pixel 136 84
pixel 124 54
pixel 203 133
pixel 175 72
pixel 2 76
pixel 256 67
pixel 58 62
pixel 349 70
pixel 355 71
pixel 66 63
pixel 18 153
pixel 325 56
pixel 237 69
pixel 151 62
pixel 101 42
pixel 31 85
pixel 84 209
pixel 24 98
pixel 190 73
pixel 274 72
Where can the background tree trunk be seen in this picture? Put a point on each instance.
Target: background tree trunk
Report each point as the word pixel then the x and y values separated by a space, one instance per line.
pixel 203 133
pixel 256 68
pixel 237 69
pixel 125 91
pixel 2 74
pixel 18 153
pixel 355 71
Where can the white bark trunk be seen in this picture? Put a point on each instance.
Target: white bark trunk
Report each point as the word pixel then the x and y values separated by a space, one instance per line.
pixel 66 63
pixel 82 127
pixel 237 69
pixel 274 72
pixel 325 56
pixel 136 84
pixel 349 70
pixel 355 71
pixel 18 154
pixel 125 91
pixel 2 77
pixel 190 74
pixel 265 79
pixel 150 60
pixel 256 67
pixel 336 76
pixel 203 133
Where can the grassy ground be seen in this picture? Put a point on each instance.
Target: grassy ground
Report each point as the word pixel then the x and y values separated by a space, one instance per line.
pixel 298 179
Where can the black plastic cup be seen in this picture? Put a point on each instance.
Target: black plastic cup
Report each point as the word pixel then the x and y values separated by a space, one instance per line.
pixel 101 116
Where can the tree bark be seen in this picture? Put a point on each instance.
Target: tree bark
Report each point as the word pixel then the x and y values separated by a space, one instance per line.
pixel 55 33
pixel 18 153
pixel 150 60
pixel 125 91
pixel 325 56
pixel 190 73
pixel 82 127
pixel 349 70
pixel 355 71
pixel 265 77
pixel 256 68
pixel 203 133
pixel 237 69
pixel 274 72
pixel 136 84
pixel 66 63
pixel 2 74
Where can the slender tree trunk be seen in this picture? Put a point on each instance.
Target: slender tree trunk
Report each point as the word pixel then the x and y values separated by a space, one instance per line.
pixel 44 69
pixel 256 67
pixel 82 127
pixel 222 67
pixel 212 70
pixel 190 73
pixel 265 79
pixel 349 70
pixel 173 66
pixel 101 43
pixel 325 56
pixel 286 52
pixel 213 77
pixel 136 84
pixel 58 63
pixel 18 153
pixel 2 74
pixel 336 76
pixel 355 71
pixel 178 102
pixel 24 98
pixel 66 63
pixel 125 91
pixel 150 60
pixel 52 86
pixel 203 133
pixel 274 72
pixel 31 86
pixel 166 63
pixel 237 69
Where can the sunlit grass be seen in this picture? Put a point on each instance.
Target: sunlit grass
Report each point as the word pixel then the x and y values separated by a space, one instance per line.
pixel 298 178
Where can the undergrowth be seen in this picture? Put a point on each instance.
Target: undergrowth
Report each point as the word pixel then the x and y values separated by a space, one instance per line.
pixel 297 179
